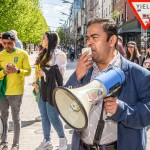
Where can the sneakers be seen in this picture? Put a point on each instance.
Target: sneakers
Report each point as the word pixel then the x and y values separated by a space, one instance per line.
pixel 45 145
pixel 62 143
pixel 4 146
pixel 15 147
pixel 48 145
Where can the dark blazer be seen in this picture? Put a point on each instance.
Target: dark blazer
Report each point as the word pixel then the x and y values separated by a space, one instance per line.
pixel 133 113
pixel 53 79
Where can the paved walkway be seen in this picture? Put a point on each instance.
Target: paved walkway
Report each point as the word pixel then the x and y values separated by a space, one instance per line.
pixel 31 132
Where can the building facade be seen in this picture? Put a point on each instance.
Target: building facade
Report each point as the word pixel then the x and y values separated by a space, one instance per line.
pixel 84 10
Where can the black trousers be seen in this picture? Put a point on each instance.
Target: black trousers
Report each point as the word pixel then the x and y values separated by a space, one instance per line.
pixel 72 57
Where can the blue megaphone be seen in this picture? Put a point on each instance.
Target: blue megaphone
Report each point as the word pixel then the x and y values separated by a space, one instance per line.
pixel 74 105
pixel 112 80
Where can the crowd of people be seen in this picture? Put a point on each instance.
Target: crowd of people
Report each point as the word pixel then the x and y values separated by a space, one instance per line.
pixel 130 109
pixel 50 69
pixel 131 52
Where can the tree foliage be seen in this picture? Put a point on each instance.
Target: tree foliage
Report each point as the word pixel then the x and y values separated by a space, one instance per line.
pixel 25 17
pixel 117 13
pixel 62 35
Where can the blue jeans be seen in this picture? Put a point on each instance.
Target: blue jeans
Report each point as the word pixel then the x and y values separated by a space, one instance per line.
pixel 50 116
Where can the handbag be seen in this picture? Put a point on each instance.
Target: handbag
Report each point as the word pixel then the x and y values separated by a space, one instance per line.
pixel 37 94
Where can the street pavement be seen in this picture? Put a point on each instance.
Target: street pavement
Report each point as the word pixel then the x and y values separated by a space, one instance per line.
pixel 31 130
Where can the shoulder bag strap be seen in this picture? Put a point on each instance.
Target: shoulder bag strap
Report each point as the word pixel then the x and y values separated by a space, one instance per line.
pixel 100 127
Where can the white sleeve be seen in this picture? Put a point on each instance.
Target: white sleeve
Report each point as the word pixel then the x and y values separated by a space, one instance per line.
pixel 61 61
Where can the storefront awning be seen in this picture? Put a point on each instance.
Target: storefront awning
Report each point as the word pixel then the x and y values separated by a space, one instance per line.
pixel 130 27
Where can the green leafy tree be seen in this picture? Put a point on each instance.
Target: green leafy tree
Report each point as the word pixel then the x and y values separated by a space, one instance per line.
pixel 62 35
pixel 25 17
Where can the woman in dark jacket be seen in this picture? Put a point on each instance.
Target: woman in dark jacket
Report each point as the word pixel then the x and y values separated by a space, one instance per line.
pixel 52 64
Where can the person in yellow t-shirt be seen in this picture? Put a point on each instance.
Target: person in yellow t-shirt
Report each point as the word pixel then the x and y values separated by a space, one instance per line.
pixel 15 64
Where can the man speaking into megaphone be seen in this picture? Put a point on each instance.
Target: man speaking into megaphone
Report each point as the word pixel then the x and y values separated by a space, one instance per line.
pixel 125 129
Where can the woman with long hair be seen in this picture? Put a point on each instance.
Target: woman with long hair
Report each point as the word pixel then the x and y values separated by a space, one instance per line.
pixel 146 60
pixel 132 52
pixel 52 64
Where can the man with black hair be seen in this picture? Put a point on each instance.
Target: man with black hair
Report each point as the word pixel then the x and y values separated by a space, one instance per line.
pixel 15 66
pixel 125 129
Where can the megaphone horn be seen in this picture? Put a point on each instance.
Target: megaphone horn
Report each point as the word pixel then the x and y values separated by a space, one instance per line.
pixel 74 105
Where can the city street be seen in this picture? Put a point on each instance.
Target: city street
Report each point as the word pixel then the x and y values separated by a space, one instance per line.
pixel 104 28
pixel 31 132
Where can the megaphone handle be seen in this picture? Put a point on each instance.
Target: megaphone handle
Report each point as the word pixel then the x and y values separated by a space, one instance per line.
pixel 114 93
pixel 109 114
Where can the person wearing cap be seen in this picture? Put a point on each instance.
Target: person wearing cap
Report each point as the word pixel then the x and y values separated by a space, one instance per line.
pixel 18 43
pixel 15 66
pixel 132 52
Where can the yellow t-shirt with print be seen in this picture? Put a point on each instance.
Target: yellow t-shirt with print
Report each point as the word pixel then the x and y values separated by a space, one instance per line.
pixel 14 81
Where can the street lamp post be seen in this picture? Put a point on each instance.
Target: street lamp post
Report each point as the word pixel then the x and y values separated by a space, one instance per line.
pixel 65 1
pixel 74 32
pixel 84 5
pixel 67 31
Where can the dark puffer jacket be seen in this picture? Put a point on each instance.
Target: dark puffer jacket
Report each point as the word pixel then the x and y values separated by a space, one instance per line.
pixel 53 80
